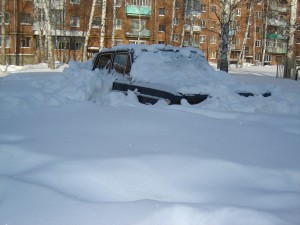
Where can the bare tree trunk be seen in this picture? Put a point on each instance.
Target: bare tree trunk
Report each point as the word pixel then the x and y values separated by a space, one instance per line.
pixel 254 37
pixel 3 33
pixel 184 25
pixel 88 33
pixel 242 53
pixel 40 26
pixel 113 33
pixel 51 63
pixel 103 20
pixel 172 21
pixel 225 15
pixel 265 32
pixel 224 47
pixel 289 70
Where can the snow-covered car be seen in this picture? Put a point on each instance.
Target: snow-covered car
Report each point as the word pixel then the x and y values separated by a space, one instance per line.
pixel 155 72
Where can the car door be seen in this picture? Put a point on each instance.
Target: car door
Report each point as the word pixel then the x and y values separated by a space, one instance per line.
pixel 103 61
pixel 146 92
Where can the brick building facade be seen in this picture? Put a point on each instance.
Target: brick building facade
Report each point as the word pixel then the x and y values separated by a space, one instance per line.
pixel 148 22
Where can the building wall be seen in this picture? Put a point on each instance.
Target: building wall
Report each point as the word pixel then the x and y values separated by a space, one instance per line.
pixel 202 32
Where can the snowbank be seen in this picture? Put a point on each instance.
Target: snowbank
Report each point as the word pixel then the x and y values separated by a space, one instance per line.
pixel 185 71
pixel 74 152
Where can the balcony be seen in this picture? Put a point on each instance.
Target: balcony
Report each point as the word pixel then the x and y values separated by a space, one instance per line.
pixel 133 10
pixel 194 44
pixel 136 33
pixel 276 22
pixel 193 28
pixel 276 50
pixel 282 9
pixel 275 36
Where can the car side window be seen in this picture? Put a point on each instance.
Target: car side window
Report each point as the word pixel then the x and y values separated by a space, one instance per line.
pixel 122 63
pixel 103 61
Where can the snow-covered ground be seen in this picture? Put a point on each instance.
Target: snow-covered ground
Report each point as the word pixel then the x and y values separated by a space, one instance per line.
pixel 73 152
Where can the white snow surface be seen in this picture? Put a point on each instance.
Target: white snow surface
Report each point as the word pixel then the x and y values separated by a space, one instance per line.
pixel 73 152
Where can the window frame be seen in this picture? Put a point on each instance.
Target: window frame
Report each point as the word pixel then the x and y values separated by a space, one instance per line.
pixel 77 2
pixel 77 21
pixel 25 42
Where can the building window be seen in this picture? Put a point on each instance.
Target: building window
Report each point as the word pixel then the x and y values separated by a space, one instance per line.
pixel 175 37
pixel 161 42
pixel 258 15
pixel 238 12
pixel 119 3
pixel 162 11
pixel 177 4
pixel 135 25
pixel 25 18
pixel 247 50
pixel 96 22
pixel 140 2
pixel 162 28
pixel 7 42
pixel 6 18
pixel 75 1
pixel 25 42
pixel 75 43
pixel 214 8
pixel 212 54
pixel 257 57
pixel 60 43
pixel 176 21
pixel 57 17
pixel 98 2
pixel 75 21
pixel 257 43
pixel 203 8
pixel 202 38
pixel 203 23
pixel 213 40
pixel 213 24
pixel 268 58
pixel 258 29
pixel 118 24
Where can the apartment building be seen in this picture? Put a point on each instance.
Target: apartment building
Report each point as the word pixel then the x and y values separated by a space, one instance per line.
pixel 146 22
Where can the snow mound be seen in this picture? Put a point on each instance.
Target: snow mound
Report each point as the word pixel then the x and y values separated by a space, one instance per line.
pixel 182 69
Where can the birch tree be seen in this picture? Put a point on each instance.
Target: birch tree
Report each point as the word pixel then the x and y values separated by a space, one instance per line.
pixel 51 63
pixel 40 28
pixel 185 23
pixel 227 13
pixel 113 24
pixel 254 37
pixel 3 33
pixel 224 24
pixel 289 70
pixel 88 33
pixel 103 20
pixel 172 21
pixel 242 53
pixel 265 30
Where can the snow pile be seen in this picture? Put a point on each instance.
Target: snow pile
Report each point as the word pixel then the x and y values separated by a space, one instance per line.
pixel 89 164
pixel 66 160
pixel 181 69
pixel 77 83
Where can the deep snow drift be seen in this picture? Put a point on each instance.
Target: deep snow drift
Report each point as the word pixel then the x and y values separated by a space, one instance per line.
pixel 73 152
